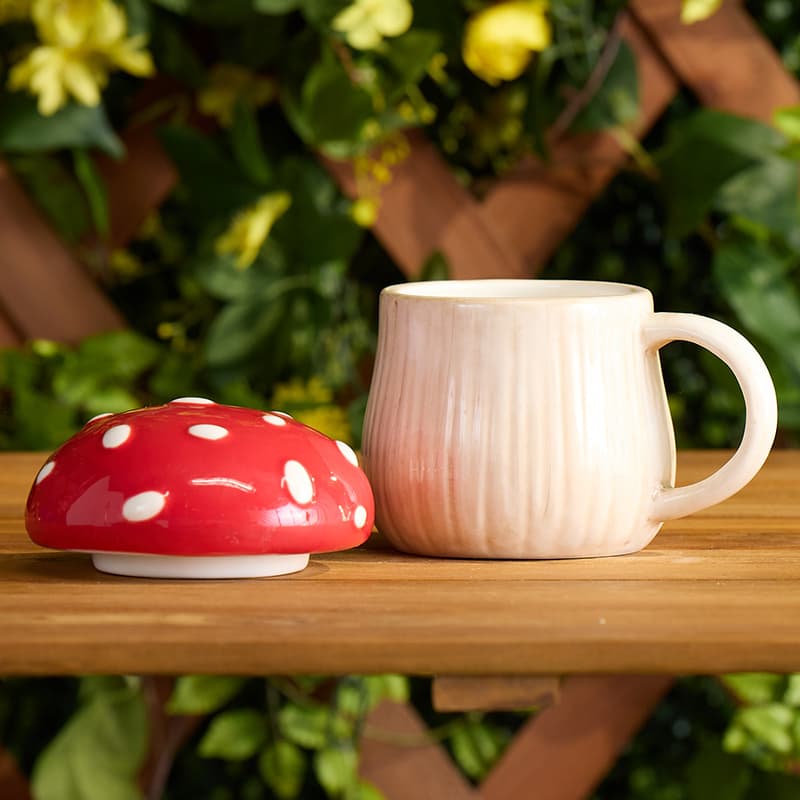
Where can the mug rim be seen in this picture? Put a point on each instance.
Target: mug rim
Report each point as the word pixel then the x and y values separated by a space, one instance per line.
pixel 516 290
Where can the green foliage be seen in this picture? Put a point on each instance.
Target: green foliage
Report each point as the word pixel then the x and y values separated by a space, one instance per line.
pixel 766 728
pixel 97 755
pixel 707 217
pixel 201 694
pixel 234 735
pixel 24 130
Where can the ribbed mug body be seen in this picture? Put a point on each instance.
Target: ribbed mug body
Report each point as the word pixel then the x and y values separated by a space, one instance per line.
pixel 504 425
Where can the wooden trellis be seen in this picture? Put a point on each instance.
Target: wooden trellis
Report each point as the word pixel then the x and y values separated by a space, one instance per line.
pixel 725 61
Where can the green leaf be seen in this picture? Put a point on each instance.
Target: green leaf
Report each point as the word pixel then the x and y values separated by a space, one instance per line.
pixel 363 790
pixel 755 281
pixel 792 694
pixel 316 206
pixel 174 54
pixel 56 192
pixel 241 328
pixel 409 55
pixel 222 279
pixel 335 768
pixel 201 694
pixel 692 173
pixel 176 6
pixel 466 753
pixel 24 130
pixel 616 102
pixel 386 687
pixel 98 753
pixel 787 121
pixel 477 745
pixel 714 773
pixel 214 185
pixel 283 767
pixel 276 6
pixel 765 193
pixel 755 687
pixel 245 138
pixel 770 724
pixel 703 154
pixel 435 268
pixel 333 107
pixel 234 735
pixel 94 189
pixel 307 726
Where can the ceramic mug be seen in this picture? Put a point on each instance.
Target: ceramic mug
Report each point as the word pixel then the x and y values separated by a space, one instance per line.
pixel 528 418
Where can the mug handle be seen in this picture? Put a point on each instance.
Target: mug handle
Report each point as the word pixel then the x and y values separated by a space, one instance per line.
pixel 761 410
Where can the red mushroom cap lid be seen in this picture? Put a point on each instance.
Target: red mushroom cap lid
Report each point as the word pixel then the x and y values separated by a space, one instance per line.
pixel 195 478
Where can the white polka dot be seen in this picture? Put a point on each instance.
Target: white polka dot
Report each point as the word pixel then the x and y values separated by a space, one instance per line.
pixel 282 414
pixel 99 416
pixel 211 432
pixel 200 401
pixel 347 452
pixel 116 436
pixel 45 471
pixel 360 516
pixel 274 419
pixel 298 482
pixel 143 506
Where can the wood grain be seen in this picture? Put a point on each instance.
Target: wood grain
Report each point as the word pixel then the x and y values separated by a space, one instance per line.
pixel 138 183
pixel 500 693
pixel 424 208
pixel 44 290
pixel 717 592
pixel 566 750
pixel 754 81
pixel 9 337
pixel 398 756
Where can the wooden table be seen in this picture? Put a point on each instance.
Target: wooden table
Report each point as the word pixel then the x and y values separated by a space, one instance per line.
pixel 716 592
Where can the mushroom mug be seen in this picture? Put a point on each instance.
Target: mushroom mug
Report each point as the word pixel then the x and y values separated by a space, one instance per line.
pixel 528 418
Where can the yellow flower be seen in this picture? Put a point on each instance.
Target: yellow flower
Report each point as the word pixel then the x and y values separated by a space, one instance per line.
pixel 81 42
pixel 695 10
pixel 499 40
pixel 312 404
pixel 13 10
pixel 365 23
pixel 229 84
pixel 250 228
pixel 364 211
pixel 125 264
pixel 330 420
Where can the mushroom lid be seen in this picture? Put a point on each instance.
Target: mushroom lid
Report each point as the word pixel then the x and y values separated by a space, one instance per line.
pixel 197 478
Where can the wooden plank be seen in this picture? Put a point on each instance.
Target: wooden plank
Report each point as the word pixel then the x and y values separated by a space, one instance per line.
pixel 424 208
pixel 398 756
pixel 9 337
pixel 635 614
pixel 13 784
pixel 44 290
pixel 138 183
pixel 753 81
pixel 504 693
pixel 534 207
pixel 566 750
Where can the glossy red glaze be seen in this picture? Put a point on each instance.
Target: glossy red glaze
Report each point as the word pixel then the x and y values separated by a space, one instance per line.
pixel 159 488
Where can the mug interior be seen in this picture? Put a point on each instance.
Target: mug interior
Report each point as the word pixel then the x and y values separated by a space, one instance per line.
pixel 514 289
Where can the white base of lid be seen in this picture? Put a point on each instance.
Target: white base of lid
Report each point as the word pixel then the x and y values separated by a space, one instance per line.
pixel 210 567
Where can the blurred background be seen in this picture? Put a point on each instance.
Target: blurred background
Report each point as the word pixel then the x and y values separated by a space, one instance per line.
pixel 205 197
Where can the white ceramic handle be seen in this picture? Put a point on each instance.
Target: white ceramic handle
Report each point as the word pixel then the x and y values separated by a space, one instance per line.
pixel 761 410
